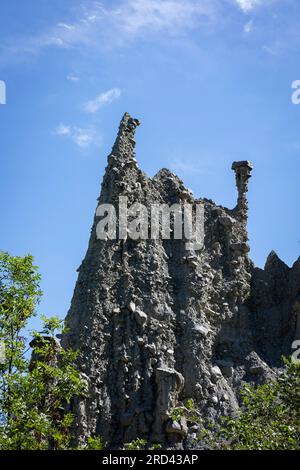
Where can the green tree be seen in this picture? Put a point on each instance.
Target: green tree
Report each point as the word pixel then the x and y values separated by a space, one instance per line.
pixel 34 392
pixel 269 419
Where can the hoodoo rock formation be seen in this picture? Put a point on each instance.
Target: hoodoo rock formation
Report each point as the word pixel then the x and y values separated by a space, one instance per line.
pixel 156 324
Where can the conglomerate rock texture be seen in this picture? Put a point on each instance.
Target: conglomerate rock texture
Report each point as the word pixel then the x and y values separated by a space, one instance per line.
pixel 157 324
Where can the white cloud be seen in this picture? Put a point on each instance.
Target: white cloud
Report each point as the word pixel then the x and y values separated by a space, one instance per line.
pixel 82 137
pixel 54 41
pixel 269 50
pixel 248 5
pixel 63 130
pixel 107 97
pixel 101 26
pixel 139 16
pixel 66 26
pixel 105 27
pixel 248 27
pixel 186 167
pixel 73 78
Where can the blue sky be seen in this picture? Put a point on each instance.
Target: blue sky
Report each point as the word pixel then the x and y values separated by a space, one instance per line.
pixel 209 79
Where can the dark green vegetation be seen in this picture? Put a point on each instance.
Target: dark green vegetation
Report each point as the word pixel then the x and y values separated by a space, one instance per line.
pixel 269 418
pixel 34 393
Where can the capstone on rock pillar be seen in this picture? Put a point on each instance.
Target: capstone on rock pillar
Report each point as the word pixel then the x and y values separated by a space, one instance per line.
pixel 242 171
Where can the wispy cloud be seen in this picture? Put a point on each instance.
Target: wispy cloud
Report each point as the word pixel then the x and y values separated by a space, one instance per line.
pixel 270 50
pixel 248 5
pixel 185 167
pixel 107 97
pixel 101 27
pixel 248 27
pixel 126 20
pixel 73 78
pixel 66 26
pixel 62 129
pixel 138 16
pixel 82 137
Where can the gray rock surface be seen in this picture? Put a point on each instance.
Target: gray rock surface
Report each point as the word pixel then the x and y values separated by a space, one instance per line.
pixel 156 325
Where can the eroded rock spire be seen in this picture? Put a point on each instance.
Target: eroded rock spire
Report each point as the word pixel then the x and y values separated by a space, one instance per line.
pixel 157 325
pixel 242 171
pixel 125 143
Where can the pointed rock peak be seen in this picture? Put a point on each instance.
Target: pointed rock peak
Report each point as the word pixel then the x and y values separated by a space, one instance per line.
pixel 273 262
pixel 164 172
pixel 128 126
pixel 164 175
pixel 125 143
pixel 272 257
pixel 127 120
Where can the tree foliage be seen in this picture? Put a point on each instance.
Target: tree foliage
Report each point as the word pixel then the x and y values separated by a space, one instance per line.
pixel 34 392
pixel 269 418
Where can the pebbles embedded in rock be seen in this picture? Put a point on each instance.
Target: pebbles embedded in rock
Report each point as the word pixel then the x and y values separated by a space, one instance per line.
pixel 141 317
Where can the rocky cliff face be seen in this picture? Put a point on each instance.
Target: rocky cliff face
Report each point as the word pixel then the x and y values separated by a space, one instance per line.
pixel 156 323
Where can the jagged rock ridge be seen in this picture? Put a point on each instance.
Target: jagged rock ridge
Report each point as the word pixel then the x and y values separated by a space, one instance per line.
pixel 156 324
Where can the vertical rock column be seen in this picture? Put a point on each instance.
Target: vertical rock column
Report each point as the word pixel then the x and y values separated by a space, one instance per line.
pixel 240 265
pixel 242 171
